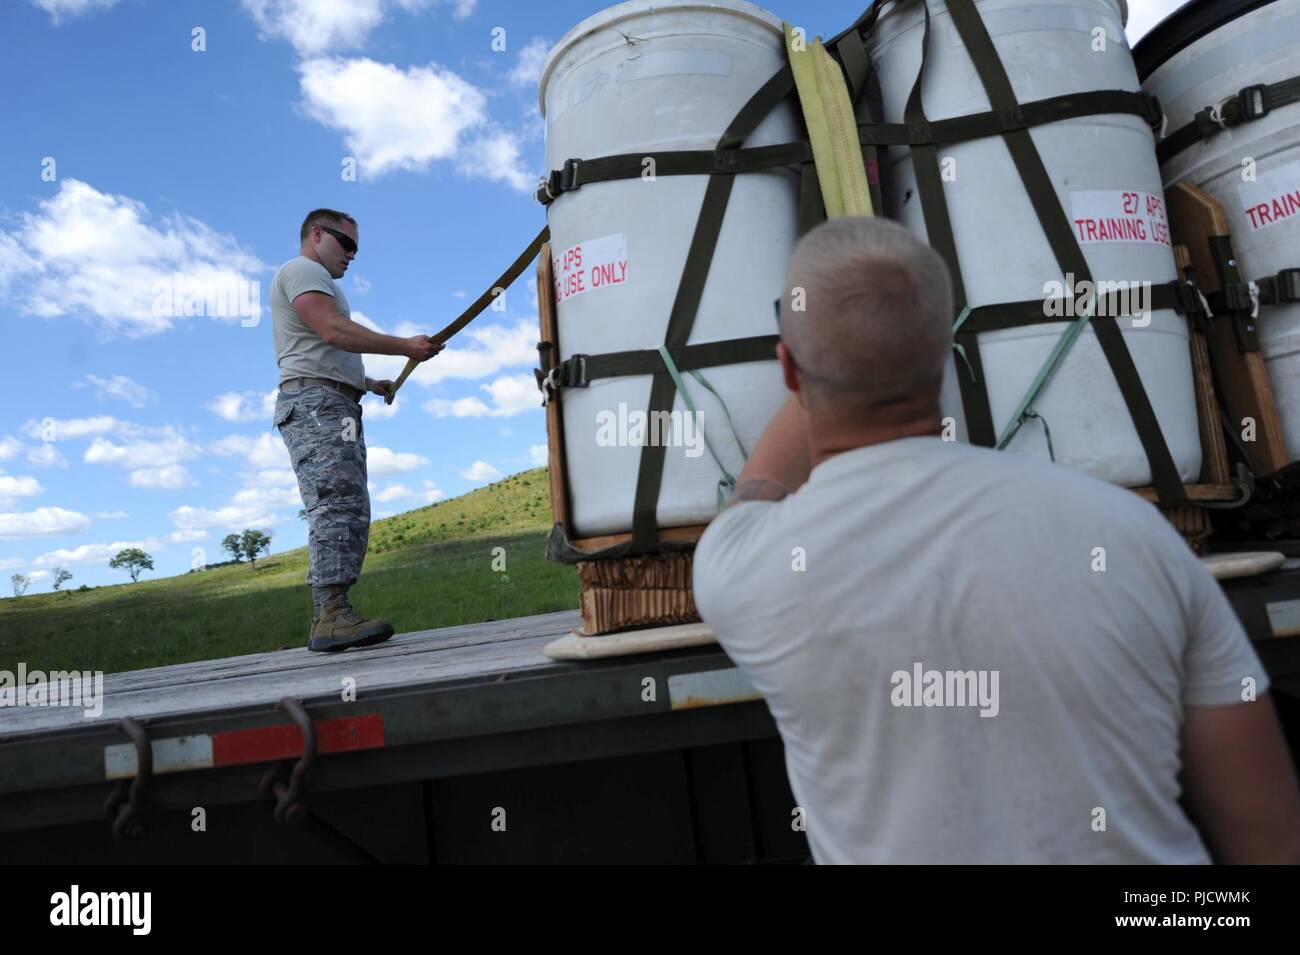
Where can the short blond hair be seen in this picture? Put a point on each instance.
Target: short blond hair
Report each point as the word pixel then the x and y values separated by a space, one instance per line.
pixel 876 327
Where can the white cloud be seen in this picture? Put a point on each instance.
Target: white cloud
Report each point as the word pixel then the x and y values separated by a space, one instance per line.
pixel 57 9
pixel 538 454
pixel 9 447
pixel 477 352
pixel 43 520
pixel 431 492
pixel 528 70
pixel 394 119
pixel 69 429
pixel 89 253
pixel 240 406
pixel 171 477
pixel 229 518
pixel 47 456
pixel 316 26
pixel 12 487
pixel 183 537
pixel 140 453
pixel 460 9
pixel 394 492
pixel 109 515
pixel 264 451
pixel 119 386
pixel 93 553
pixel 457 408
pixel 480 471
pixel 361 284
pixel 374 407
pixel 510 395
pixel 11 563
pixel 382 462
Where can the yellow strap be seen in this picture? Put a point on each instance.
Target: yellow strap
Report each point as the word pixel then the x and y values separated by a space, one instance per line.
pixel 832 127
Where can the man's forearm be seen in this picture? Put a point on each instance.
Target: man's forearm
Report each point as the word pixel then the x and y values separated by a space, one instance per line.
pixel 353 337
pixel 780 463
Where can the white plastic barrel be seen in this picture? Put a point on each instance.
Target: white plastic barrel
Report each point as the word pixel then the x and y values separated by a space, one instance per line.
pixel 1097 164
pixel 670 76
pixel 1258 47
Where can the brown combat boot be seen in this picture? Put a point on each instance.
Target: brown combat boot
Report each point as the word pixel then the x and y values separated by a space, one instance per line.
pixel 339 627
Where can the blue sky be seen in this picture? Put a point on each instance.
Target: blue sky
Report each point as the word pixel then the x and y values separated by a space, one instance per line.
pixel 130 159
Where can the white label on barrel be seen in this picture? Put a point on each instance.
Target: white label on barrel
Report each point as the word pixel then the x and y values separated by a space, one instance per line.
pixel 591 265
pixel 1273 197
pixel 1116 215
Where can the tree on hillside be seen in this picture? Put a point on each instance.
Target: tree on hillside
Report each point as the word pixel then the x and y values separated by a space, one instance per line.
pixel 20 584
pixel 302 513
pixel 235 544
pixel 61 576
pixel 134 560
pixel 255 542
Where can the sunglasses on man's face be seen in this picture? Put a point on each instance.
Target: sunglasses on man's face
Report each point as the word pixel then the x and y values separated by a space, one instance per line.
pixel 343 238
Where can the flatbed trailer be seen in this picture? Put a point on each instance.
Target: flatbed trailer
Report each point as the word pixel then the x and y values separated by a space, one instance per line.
pixel 465 744
pixel 462 744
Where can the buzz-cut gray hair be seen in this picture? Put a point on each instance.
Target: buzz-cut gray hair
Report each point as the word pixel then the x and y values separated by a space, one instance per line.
pixel 875 327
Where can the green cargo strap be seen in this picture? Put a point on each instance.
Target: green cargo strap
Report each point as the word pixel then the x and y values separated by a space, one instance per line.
pixel 576 173
pixel 1065 247
pixel 1177 295
pixel 727 480
pixel 1053 109
pixel 579 370
pixel 938 229
pixel 524 259
pixel 1053 362
pixel 699 257
pixel 1251 103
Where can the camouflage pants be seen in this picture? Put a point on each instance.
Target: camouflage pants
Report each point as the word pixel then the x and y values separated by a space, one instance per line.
pixel 327 447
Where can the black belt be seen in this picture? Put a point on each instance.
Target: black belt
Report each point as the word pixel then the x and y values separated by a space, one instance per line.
pixel 352 394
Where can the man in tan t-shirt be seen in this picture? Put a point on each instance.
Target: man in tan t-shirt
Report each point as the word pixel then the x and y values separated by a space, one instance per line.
pixel 318 412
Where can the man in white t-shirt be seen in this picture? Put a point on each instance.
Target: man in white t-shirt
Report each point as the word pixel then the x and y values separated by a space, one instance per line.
pixel 973 657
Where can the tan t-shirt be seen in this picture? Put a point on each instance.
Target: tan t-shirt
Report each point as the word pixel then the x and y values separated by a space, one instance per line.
pixel 973 657
pixel 298 349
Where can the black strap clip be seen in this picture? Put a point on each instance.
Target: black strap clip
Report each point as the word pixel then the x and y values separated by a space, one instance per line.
pixel 1155 113
pixel 1236 298
pixel 564 179
pixel 575 372
pixel 1252 103
pixel 1281 289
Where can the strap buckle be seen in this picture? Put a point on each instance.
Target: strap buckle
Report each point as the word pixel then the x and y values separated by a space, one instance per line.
pixel 1252 103
pixel 564 179
pixel 578 361
pixel 1286 286
pixel 1155 114
pixel 1236 297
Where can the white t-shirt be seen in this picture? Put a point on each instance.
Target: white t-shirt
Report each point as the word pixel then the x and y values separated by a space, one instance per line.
pixel 920 555
pixel 299 351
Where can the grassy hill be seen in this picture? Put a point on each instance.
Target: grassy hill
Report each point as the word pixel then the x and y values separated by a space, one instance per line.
pixel 426 568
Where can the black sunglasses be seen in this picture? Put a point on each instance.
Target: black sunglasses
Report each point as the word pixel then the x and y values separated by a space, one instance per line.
pixel 343 238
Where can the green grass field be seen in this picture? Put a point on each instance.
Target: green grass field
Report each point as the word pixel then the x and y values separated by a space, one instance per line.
pixel 427 568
